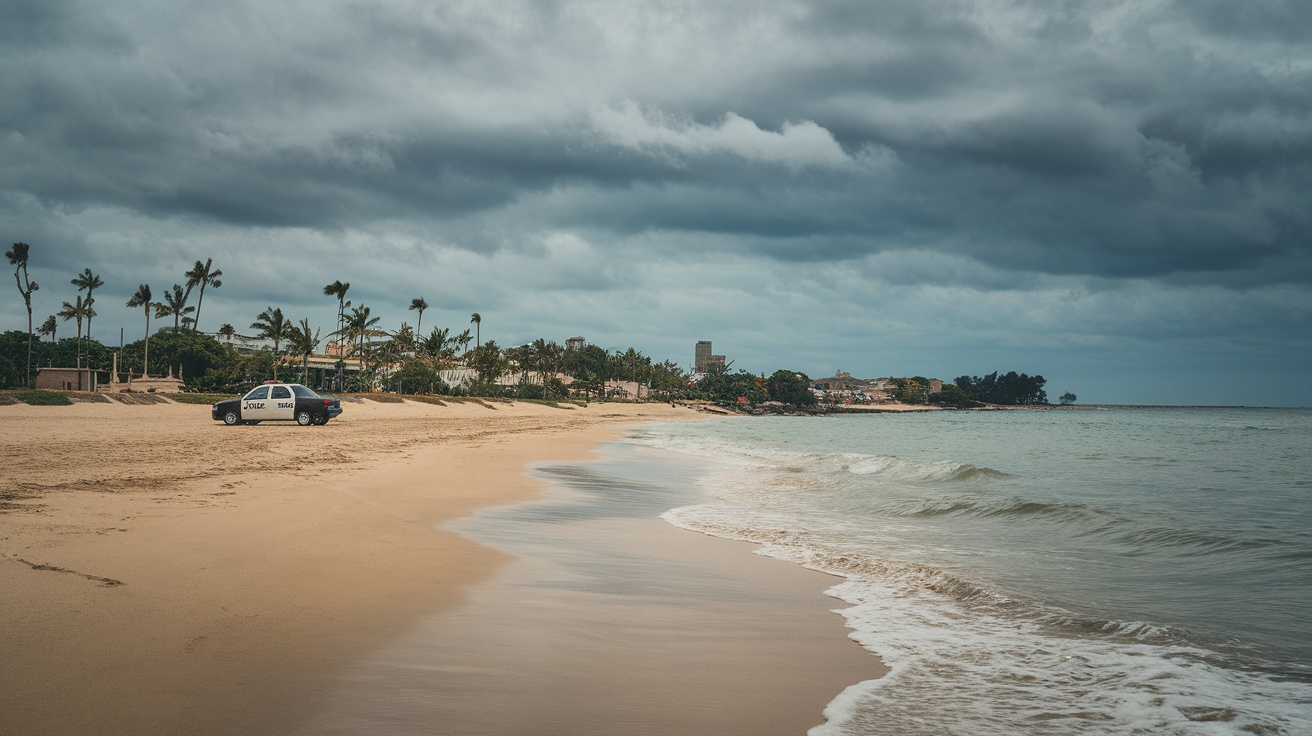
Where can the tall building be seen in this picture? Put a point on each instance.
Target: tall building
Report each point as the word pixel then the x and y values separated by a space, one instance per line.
pixel 702 356
pixel 574 343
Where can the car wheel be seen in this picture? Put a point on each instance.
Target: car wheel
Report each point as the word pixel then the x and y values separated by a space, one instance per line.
pixel 304 418
pixel 231 418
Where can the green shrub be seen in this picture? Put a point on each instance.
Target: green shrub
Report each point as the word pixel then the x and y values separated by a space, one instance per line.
pixel 197 398
pixel 43 398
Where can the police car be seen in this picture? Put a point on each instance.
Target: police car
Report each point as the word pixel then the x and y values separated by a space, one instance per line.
pixel 278 401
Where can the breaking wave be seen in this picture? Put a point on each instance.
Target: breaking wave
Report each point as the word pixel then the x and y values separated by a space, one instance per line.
pixel 994 662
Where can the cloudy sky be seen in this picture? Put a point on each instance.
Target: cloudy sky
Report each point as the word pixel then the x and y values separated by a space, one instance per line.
pixel 1115 195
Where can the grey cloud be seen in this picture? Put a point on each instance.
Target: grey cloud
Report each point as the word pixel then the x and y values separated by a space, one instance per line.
pixel 1288 21
pixel 1051 160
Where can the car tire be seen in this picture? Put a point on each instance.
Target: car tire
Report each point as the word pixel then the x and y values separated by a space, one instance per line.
pixel 304 418
pixel 231 418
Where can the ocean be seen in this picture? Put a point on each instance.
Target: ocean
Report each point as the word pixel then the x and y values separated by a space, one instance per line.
pixel 1088 571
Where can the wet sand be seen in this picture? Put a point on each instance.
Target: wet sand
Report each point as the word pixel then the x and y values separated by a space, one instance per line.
pixel 611 621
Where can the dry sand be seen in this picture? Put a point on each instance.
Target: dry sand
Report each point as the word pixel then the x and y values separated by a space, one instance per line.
pixel 163 574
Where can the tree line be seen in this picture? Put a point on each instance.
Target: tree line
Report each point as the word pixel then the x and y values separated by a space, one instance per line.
pixel 1008 389
pixel 406 359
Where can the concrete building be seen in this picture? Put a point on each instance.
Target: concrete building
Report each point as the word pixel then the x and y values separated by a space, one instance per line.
pixel 703 359
pixel 701 355
pixel 322 368
pixel 575 343
pixel 68 379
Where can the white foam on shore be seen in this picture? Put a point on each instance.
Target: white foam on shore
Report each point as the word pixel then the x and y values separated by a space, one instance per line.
pixel 987 674
pixel 966 659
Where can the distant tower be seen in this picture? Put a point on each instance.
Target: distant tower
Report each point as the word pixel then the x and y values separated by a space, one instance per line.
pixel 574 343
pixel 702 356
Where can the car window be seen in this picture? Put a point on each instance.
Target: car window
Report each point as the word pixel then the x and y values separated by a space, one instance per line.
pixel 281 392
pixel 303 392
pixel 261 392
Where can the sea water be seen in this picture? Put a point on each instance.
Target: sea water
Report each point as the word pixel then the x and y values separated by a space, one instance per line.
pixel 1039 572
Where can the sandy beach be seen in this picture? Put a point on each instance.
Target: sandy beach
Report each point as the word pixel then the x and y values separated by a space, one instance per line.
pixel 165 574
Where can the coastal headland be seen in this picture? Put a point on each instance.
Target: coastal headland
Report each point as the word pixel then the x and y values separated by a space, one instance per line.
pixel 165 574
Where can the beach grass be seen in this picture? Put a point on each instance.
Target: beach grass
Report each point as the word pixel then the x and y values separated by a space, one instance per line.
pixel 42 398
pixel 434 400
pixel 549 402
pixel 189 398
pixel 138 398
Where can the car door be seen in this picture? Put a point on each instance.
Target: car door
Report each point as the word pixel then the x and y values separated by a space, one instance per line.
pixel 255 405
pixel 282 405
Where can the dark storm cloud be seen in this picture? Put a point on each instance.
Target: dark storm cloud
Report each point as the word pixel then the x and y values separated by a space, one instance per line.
pixel 1288 21
pixel 1095 138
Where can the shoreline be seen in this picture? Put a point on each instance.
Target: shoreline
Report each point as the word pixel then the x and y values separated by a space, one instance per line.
pixel 610 619
pixel 165 574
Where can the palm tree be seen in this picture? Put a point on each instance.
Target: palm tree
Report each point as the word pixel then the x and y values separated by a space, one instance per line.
pixel 338 289
pixel 356 328
pixel 547 356
pixel 488 361
pixel 477 319
pixel 419 305
pixel 79 311
pixel 272 325
pixel 518 356
pixel 436 342
pixel 361 325
pixel 202 274
pixel 142 299
pixel 18 259
pixel 404 339
pixel 303 343
pixel 49 327
pixel 226 331
pixel 174 301
pixel 462 340
pixel 88 282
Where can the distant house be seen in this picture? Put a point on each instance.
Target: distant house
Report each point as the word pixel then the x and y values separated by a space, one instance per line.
pixel 627 389
pixel 840 381
pixel 323 367
pixel 876 395
pixel 458 377
pixel 68 379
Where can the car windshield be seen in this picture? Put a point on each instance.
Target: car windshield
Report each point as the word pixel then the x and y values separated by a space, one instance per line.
pixel 261 392
pixel 303 392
